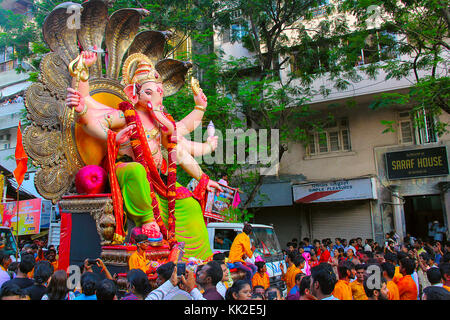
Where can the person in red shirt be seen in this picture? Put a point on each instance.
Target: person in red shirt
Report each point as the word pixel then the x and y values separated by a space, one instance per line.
pixel 325 254
pixel 314 261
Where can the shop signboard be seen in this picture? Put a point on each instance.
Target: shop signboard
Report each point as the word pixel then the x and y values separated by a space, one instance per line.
pixel 420 163
pixel 342 190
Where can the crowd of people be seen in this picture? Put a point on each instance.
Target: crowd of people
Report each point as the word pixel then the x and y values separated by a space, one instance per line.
pixel 17 99
pixel 319 270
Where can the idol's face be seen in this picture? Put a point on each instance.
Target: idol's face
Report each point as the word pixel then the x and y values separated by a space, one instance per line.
pixel 151 92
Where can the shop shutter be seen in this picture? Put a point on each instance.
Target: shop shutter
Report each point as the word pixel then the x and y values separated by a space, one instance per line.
pixel 345 220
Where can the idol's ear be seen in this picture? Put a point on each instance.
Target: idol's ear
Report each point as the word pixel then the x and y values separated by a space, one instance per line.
pixel 130 91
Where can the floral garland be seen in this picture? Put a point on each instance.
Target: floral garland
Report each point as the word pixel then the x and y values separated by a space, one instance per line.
pixel 143 156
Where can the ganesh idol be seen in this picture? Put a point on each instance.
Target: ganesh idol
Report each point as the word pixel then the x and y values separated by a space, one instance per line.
pixel 142 176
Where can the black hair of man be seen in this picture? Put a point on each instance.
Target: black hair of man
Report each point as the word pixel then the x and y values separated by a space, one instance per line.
pixel 27 263
pixel 247 228
pixel 257 287
pixel 445 258
pixel 343 269
pixel 390 257
pixel 324 275
pixel 389 268
pixel 165 270
pixel 299 276
pixel 219 257
pixel 436 293
pixel 305 283
pixel 3 257
pixel 260 265
pixel 444 268
pixel 401 255
pixel 434 275
pixel 214 271
pixel 272 288
pixel 409 265
pixel 43 270
pixel 106 290
pixel 360 266
pixel 306 239
pixel 257 296
pixel 89 281
pixel 9 289
pixel 369 289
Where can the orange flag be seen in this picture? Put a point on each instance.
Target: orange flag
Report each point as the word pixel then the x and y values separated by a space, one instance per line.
pixel 21 159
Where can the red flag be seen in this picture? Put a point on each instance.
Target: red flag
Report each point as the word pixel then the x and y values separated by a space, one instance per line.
pixel 21 159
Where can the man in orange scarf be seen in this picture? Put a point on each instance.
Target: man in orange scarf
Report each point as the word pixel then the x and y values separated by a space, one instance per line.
pixel 138 260
pixel 406 286
pixel 342 289
pixel 240 248
pixel 388 274
pixel 261 278
pixel 293 261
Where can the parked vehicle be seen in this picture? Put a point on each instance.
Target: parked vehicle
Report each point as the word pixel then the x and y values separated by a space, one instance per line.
pixel 263 237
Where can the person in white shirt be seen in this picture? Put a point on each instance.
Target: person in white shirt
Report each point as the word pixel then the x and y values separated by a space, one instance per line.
pixel 5 260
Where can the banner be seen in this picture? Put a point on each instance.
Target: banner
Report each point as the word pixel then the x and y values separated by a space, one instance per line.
pixel 29 216
pixel 218 203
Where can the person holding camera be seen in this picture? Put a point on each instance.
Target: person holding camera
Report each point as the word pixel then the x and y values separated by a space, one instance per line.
pixel 88 263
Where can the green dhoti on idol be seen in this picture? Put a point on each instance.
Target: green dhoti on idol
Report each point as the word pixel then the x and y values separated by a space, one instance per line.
pixel 143 180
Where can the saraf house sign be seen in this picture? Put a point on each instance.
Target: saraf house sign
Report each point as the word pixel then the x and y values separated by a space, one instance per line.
pixel 418 163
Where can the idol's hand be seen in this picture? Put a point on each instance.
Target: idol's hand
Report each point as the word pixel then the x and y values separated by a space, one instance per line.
pixel 200 99
pixel 89 57
pixel 74 100
pixel 124 134
pixel 213 185
pixel 213 141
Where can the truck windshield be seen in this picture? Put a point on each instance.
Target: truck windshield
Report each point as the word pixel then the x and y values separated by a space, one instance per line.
pixel 7 243
pixel 265 241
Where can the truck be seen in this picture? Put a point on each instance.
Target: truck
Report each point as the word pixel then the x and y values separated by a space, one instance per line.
pixel 8 242
pixel 263 237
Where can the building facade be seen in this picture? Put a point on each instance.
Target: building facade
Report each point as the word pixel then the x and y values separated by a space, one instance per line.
pixel 357 179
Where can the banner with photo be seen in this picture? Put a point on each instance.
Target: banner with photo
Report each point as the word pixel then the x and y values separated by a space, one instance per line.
pixel 27 219
pixel 220 205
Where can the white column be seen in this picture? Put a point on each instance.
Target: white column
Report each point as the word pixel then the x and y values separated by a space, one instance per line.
pixel 397 209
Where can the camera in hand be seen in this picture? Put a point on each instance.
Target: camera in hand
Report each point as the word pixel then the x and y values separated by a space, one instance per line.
pixel 181 269
pixel 92 261
pixel 272 295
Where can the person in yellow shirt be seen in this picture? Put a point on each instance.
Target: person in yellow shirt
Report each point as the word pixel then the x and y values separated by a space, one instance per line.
pixel 342 289
pixel 241 249
pixel 138 259
pixel 357 286
pixel 261 278
pixel 388 274
pixel 293 261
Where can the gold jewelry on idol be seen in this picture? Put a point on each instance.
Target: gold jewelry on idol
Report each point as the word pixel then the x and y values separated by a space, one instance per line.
pixel 82 113
pixel 200 108
pixel 195 86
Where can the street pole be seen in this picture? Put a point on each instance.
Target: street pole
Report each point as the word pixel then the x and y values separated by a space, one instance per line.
pixel 17 225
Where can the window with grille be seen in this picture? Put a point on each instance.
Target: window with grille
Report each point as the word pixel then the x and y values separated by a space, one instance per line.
pixel 334 137
pixel 419 128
